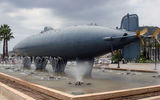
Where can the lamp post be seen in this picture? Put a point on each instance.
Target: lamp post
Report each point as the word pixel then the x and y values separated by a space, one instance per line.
pixel 118 59
pixel 155 55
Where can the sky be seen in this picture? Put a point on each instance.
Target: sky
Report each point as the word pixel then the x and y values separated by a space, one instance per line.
pixel 28 17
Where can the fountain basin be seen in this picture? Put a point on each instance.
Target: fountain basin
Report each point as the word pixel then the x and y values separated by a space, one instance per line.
pixel 101 81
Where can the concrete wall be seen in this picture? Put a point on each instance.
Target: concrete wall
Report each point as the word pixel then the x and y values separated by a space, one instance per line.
pixel 12 94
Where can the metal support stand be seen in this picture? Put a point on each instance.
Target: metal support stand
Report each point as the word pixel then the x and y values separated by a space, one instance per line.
pixel 27 62
pixel 58 64
pixel 155 55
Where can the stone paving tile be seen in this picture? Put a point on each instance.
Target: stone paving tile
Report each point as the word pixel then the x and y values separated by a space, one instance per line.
pixel 139 66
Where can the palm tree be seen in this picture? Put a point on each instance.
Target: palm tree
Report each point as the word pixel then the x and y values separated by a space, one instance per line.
pixel 7 38
pixel 6 35
pixel 3 32
pixel 1 37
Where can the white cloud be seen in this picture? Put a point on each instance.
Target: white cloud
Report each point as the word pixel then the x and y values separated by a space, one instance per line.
pixel 25 22
pixel 147 11
pixel 36 17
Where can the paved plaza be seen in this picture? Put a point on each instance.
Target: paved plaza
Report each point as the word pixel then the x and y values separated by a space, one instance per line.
pixel 135 66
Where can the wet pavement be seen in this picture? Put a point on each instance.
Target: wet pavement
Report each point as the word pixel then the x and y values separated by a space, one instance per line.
pixel 102 80
pixel 137 66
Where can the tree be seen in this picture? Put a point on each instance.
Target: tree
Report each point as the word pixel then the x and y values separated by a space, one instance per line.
pixel 5 35
pixel 8 37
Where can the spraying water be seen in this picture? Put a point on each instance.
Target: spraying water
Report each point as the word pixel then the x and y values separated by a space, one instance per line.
pixel 81 70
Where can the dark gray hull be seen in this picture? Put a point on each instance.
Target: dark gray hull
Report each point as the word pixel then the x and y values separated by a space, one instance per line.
pixel 73 42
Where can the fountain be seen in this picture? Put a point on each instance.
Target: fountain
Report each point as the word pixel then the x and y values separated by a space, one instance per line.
pixel 79 83
pixel 80 71
pixel 27 62
pixel 75 82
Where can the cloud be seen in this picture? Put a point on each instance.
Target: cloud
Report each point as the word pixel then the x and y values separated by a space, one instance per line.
pixel 36 17
pixel 27 21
